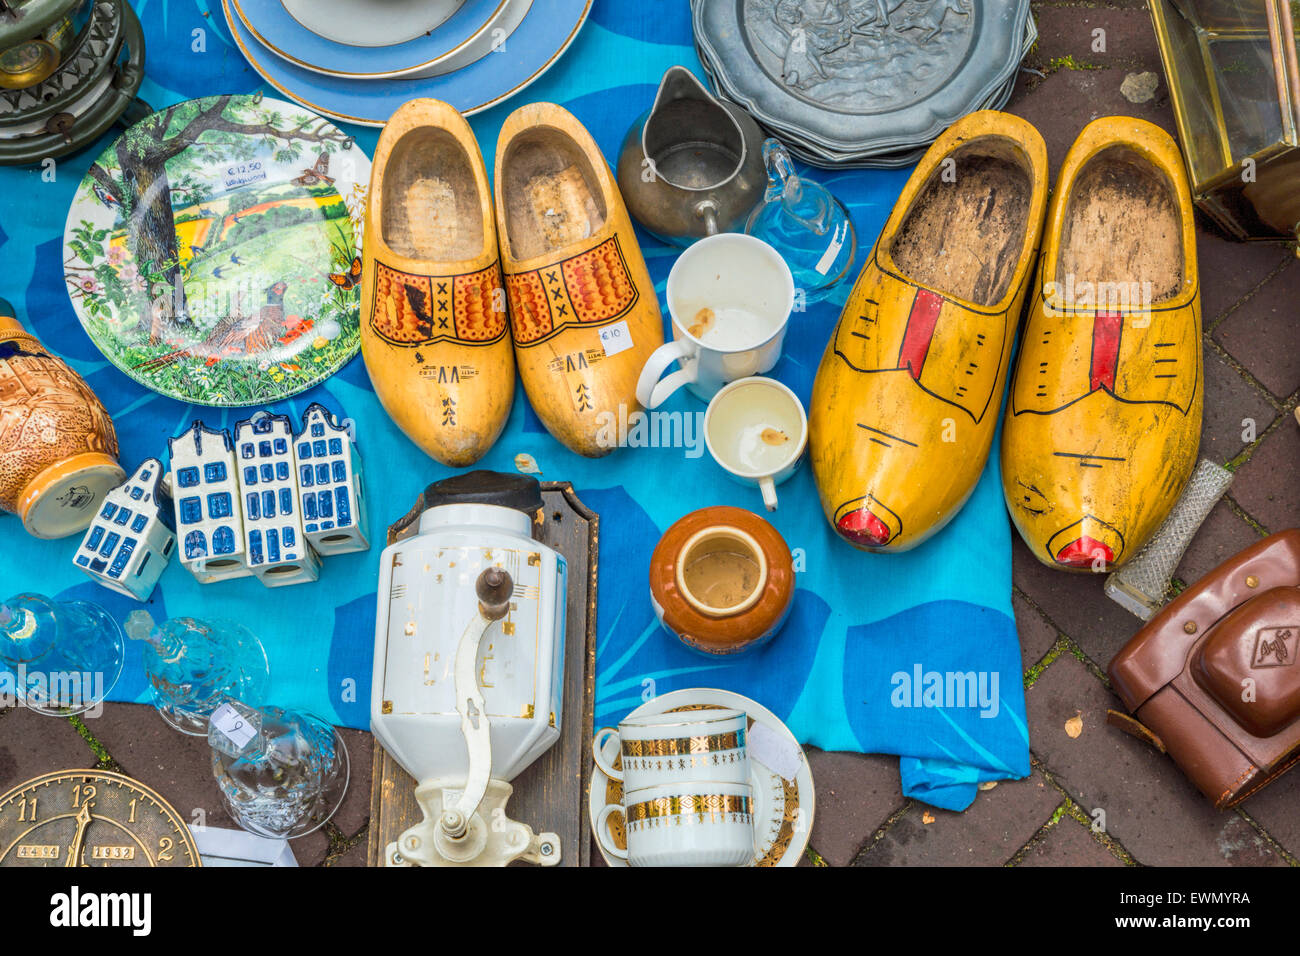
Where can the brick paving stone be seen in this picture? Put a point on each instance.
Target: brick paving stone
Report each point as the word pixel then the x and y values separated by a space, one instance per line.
pixel 353 813
pixel 310 850
pixel 1265 485
pixel 31 745
pixel 1069 844
pixel 356 856
pixel 1229 400
pixel 1221 536
pixel 1261 332
pixel 856 793
pixel 1066 101
pixel 1037 635
pixel 1151 808
pixel 177 765
pixel 987 833
pixel 1075 604
pixel 1229 269
pixel 1130 41
pixel 1274 808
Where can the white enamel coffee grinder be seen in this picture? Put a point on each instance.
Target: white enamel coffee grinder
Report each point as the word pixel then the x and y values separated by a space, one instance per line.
pixel 468 671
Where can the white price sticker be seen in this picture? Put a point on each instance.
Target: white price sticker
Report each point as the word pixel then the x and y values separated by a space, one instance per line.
pixel 773 751
pixel 616 337
pixel 236 727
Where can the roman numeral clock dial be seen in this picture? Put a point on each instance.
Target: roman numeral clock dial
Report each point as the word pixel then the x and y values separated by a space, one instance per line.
pixel 77 818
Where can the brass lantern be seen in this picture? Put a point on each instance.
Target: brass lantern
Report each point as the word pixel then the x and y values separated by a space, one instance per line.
pixel 1233 77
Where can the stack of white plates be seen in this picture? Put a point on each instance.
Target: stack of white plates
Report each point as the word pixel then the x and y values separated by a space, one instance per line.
pixel 359 60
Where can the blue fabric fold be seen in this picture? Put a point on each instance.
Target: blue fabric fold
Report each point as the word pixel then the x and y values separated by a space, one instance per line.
pixel 858 620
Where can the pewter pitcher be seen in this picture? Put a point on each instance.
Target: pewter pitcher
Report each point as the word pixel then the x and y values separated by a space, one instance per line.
pixel 693 165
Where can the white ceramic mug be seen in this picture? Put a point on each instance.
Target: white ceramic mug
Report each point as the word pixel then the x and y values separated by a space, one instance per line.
pixel 757 430
pixel 689 823
pixel 674 747
pixel 729 297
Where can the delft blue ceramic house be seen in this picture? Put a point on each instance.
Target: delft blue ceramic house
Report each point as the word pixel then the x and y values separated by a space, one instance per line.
pixel 277 549
pixel 209 519
pixel 329 484
pixel 130 541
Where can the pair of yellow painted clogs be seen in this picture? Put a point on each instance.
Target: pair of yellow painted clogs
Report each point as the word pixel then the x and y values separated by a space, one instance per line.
pixel 1104 416
pixel 460 284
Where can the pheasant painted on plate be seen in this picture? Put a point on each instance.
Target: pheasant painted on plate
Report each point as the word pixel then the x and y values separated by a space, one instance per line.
pixel 200 249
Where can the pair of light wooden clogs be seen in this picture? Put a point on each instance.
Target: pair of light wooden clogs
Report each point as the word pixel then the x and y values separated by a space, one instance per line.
pixel 1104 415
pixel 441 331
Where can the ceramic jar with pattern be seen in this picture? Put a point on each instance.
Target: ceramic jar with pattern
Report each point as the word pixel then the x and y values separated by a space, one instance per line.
pixel 58 449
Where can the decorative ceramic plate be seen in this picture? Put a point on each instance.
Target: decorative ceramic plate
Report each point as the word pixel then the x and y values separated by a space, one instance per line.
pixel 469 34
pixel 199 250
pixel 370 22
pixel 783 814
pixel 544 34
pixel 861 77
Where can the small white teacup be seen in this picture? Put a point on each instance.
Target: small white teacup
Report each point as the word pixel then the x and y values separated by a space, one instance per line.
pixel 674 747
pixel 688 823
pixel 730 297
pixel 756 429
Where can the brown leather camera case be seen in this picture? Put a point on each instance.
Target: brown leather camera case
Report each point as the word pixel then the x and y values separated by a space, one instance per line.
pixel 1214 676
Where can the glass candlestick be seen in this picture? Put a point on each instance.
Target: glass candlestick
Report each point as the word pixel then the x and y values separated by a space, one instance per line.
pixel 806 224
pixel 281 773
pixel 62 658
pixel 194 666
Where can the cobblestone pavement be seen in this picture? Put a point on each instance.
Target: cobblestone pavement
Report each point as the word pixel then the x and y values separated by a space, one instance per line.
pixel 1068 629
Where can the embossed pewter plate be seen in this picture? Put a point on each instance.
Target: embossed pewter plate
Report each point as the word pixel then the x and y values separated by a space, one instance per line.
pixel 860 76
pixel 783 809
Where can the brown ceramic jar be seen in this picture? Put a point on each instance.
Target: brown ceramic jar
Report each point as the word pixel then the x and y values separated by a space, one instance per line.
pixel 721 580
pixel 58 449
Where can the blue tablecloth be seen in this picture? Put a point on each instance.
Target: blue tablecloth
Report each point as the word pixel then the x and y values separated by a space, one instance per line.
pixel 864 628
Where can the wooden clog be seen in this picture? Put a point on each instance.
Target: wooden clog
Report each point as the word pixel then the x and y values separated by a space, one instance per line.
pixel 906 399
pixel 433 313
pixel 1104 416
pixel 583 311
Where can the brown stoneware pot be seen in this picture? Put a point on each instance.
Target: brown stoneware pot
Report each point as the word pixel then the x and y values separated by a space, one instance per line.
pixel 721 580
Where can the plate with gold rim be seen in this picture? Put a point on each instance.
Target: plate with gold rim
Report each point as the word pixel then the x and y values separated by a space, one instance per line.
pixel 784 808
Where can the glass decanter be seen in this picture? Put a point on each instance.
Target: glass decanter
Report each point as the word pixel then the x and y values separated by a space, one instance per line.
pixel 194 666
pixel 62 658
pixel 800 219
pixel 281 773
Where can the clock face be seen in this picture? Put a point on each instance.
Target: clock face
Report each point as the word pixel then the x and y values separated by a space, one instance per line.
pixel 91 818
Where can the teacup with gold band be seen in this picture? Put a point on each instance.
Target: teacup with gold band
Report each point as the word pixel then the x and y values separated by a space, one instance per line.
pixel 687 823
pixel 664 748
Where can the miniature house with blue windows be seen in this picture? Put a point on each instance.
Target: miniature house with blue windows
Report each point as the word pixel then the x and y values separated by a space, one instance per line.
pixel 205 489
pixel 130 541
pixel 329 483
pixel 276 547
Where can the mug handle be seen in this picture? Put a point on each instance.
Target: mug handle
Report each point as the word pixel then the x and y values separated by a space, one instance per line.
pixel 602 831
pixel 652 393
pixel 768 487
pixel 597 753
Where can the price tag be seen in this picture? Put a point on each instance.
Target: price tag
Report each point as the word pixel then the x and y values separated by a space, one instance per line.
pixel 773 751
pixel 238 730
pixel 616 337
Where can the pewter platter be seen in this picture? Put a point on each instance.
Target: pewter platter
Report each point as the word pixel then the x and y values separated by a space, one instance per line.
pixel 861 76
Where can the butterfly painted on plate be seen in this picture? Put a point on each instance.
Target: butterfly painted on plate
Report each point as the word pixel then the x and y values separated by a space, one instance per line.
pixel 349 279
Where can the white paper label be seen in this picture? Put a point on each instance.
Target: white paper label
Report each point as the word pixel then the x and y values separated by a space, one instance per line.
pixel 244 174
pixel 833 250
pixel 616 337
pixel 238 730
pixel 774 751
